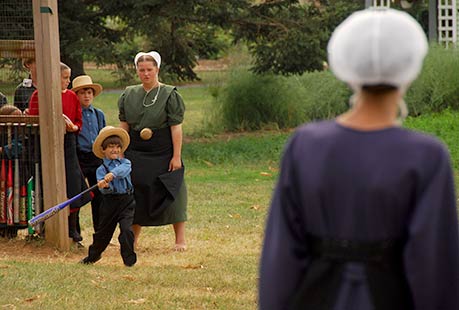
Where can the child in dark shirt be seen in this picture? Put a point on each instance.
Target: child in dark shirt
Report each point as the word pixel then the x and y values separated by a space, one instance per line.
pixel 114 181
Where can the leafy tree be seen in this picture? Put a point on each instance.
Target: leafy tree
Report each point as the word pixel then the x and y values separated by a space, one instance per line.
pixel 180 31
pixel 289 37
pixel 85 33
pixel 285 36
pixel 114 31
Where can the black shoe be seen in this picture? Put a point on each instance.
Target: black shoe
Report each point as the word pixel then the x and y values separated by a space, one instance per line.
pixel 130 261
pixel 77 238
pixel 89 261
pixel 73 227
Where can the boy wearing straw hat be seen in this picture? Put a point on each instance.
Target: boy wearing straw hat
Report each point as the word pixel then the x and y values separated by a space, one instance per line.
pixel 114 180
pixel 93 122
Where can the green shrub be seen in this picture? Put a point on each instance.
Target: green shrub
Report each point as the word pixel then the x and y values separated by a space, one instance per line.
pixel 437 87
pixel 322 95
pixel 250 102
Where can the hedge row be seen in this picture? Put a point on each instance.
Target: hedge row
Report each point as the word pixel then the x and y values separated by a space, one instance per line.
pixel 249 101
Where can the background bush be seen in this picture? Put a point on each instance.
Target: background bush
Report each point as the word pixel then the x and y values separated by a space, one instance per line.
pixel 322 96
pixel 437 87
pixel 249 101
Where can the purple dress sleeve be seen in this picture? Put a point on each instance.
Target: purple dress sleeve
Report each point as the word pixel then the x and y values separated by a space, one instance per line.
pixel 431 252
pixel 284 257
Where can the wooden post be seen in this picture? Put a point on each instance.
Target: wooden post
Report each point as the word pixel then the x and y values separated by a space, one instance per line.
pixel 47 53
pixel 433 19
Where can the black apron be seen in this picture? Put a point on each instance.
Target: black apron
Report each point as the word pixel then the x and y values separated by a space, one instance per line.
pixel 155 188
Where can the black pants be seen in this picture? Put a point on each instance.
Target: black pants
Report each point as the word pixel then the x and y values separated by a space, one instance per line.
pixel 89 164
pixel 74 184
pixel 113 210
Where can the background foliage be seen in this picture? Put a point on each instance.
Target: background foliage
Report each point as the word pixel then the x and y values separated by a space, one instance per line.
pixel 249 101
pixel 288 37
pixel 437 87
pixel 283 36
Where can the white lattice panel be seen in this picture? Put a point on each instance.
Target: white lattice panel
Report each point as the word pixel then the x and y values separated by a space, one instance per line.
pixel 447 21
pixel 383 3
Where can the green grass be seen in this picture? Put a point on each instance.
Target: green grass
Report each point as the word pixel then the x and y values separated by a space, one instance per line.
pixel 444 125
pixel 227 208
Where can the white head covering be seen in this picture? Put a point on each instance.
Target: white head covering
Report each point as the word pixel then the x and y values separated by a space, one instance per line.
pixel 153 54
pixel 377 46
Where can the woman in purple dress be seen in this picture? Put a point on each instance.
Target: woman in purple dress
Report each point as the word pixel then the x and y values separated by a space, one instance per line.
pixel 364 212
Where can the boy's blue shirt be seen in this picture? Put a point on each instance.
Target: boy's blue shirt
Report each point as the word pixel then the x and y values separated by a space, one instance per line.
pixel 93 122
pixel 121 169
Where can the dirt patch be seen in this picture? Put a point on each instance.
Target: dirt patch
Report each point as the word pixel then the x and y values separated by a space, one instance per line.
pixel 27 249
pixel 21 249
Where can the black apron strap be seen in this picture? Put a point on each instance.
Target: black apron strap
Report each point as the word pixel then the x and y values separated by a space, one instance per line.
pixel 383 266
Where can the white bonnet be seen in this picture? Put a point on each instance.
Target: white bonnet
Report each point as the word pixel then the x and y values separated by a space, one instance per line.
pixel 377 46
pixel 153 54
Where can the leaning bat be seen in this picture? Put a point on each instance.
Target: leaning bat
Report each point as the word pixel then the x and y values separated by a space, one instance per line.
pixel 3 179
pixel 23 179
pixel 9 183
pixel 37 193
pixel 30 206
pixel 54 210
pixel 16 189
pixel 30 182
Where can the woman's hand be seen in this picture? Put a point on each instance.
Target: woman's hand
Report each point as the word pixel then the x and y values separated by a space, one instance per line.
pixel 175 163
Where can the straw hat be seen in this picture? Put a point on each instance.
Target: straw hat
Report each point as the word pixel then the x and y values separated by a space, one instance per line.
pixel 377 46
pixel 106 132
pixel 85 81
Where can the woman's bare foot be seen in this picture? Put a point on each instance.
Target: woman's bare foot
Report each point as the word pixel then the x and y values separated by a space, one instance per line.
pixel 179 229
pixel 136 229
pixel 180 247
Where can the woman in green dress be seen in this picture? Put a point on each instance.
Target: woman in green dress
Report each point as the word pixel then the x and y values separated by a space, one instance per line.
pixel 152 113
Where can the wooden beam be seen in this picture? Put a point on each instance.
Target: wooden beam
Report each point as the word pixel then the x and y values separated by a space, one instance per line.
pixel 433 20
pixel 17 48
pixel 52 128
pixel 26 119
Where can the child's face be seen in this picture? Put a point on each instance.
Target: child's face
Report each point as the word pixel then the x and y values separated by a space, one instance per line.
pixel 112 151
pixel 65 79
pixel 86 97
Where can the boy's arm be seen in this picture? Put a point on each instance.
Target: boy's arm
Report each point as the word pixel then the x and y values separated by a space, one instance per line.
pixel 100 175
pixel 123 170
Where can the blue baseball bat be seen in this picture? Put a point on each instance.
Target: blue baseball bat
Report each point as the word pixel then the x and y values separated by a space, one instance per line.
pixel 54 210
